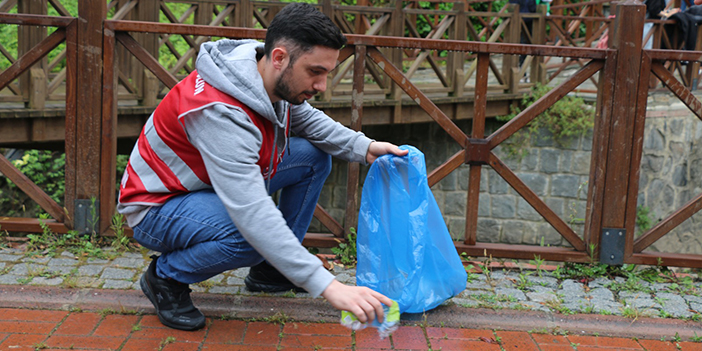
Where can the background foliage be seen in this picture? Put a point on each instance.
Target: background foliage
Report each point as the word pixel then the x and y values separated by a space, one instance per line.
pixel 46 169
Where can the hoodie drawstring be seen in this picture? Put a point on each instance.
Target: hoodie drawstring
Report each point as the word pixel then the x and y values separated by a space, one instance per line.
pixel 274 155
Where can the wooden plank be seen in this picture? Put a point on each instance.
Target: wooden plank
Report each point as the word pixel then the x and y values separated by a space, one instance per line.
pixel 577 5
pixel 70 120
pixel 27 37
pixel 328 221
pixel 669 223
pixel 185 29
pixel 59 8
pixel 31 225
pixel 636 153
pixel 7 5
pixel 455 60
pixel 543 103
pixel 446 22
pixel 674 55
pixel 322 240
pixel 472 205
pixel 7 54
pixel 353 170
pixel 144 57
pixel 343 67
pixel 124 10
pixel 169 15
pixel 89 101
pixel 680 90
pixel 629 31
pixel 108 139
pixel 418 96
pixel 480 102
pixel 447 167
pixel 34 20
pixel 56 82
pixel 356 39
pixel 478 132
pixel 15 130
pixel 535 202
pixel 523 252
pixel 191 53
pixel 340 69
pixel 31 189
pixel 598 160
pixel 666 259
pixel 511 35
pixel 147 11
pixel 37 88
pixel 31 57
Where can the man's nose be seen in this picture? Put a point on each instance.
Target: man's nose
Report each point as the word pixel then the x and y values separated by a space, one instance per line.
pixel 320 84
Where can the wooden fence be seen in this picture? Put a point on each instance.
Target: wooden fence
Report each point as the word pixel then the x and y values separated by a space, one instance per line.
pixel 623 71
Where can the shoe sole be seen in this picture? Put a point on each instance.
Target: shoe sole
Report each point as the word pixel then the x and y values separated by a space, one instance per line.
pixel 255 285
pixel 150 295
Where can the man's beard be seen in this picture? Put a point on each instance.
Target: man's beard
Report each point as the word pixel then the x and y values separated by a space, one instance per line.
pixel 283 91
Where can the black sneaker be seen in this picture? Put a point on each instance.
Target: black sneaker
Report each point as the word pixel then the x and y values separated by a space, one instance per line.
pixel 172 300
pixel 265 278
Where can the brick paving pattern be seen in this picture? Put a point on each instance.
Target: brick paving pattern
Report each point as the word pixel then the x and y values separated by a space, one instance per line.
pixel 24 329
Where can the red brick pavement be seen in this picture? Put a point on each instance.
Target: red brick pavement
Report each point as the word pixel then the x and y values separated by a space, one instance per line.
pixel 24 329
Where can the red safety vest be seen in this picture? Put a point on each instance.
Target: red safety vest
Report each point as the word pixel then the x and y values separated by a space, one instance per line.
pixel 164 163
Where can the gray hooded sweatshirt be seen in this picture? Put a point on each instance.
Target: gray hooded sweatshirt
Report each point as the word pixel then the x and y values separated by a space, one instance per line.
pixel 229 143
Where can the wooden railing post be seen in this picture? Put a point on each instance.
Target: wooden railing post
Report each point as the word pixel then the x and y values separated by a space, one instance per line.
pixel 35 80
pixel 397 25
pixel 244 14
pixel 455 60
pixel 353 173
pixel 148 86
pixel 83 196
pixel 619 136
pixel 510 63
pixel 108 137
pixel 327 8
pixel 37 88
pixel 692 71
pixel 538 35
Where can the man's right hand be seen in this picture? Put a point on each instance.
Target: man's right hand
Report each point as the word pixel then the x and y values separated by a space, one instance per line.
pixel 361 301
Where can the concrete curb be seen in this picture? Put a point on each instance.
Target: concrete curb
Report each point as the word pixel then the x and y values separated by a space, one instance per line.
pixel 318 310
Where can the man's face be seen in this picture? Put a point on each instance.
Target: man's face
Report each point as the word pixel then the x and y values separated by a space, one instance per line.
pixel 307 76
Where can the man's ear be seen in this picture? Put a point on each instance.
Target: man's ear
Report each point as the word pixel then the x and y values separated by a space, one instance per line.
pixel 279 57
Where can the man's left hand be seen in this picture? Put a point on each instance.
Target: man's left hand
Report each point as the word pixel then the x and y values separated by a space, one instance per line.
pixel 380 148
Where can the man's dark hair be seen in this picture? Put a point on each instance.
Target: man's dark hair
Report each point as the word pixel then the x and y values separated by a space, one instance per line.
pixel 300 27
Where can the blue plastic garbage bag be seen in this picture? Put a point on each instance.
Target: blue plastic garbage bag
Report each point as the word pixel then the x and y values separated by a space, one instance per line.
pixel 403 246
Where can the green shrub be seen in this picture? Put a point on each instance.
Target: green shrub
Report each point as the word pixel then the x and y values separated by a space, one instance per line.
pixel 644 218
pixel 346 251
pixel 46 169
pixel 568 117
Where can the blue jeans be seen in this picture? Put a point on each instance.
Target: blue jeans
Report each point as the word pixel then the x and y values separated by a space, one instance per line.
pixel 197 238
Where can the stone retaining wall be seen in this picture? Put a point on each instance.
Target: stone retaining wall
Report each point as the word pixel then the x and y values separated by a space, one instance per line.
pixel 671 175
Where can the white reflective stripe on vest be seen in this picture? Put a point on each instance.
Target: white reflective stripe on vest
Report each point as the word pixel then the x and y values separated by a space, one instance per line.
pixel 183 172
pixel 152 183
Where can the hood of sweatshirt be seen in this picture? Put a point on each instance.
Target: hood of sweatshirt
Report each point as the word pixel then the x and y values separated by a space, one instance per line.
pixel 230 66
